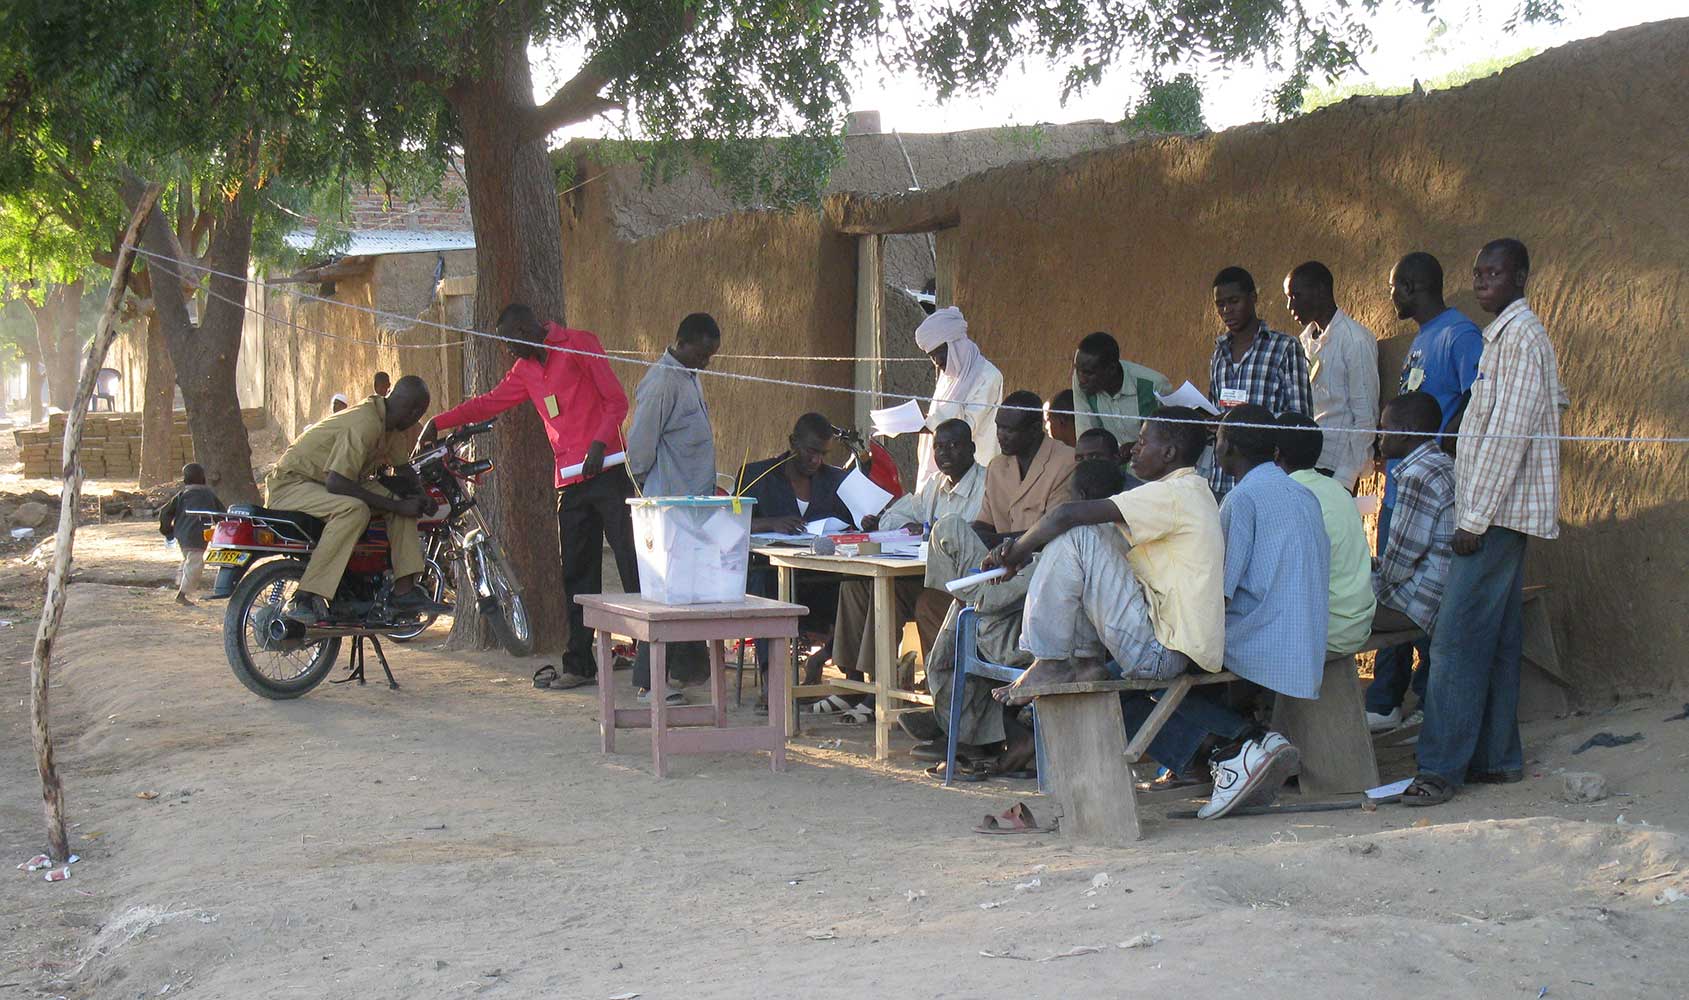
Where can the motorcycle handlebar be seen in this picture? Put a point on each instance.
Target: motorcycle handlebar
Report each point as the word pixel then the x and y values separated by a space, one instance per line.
pixel 470 430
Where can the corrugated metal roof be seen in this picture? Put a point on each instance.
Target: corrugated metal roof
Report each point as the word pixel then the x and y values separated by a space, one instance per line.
pixel 372 242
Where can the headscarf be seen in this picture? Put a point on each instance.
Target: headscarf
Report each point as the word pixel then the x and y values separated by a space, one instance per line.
pixel 961 362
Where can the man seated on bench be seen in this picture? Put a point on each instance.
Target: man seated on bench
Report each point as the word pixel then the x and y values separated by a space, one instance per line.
pixel 1272 565
pixel 1415 559
pixel 1349 597
pixel 1030 476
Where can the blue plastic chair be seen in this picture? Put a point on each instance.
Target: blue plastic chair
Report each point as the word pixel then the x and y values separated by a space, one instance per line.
pixel 969 663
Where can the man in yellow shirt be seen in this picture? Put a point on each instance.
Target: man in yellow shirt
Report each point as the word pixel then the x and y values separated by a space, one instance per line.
pixel 327 474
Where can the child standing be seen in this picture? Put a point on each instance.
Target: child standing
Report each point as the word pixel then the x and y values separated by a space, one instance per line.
pixel 187 529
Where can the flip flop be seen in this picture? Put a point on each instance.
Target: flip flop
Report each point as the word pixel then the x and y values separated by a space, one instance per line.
pixel 966 770
pixel 831 705
pixel 544 676
pixel 1015 819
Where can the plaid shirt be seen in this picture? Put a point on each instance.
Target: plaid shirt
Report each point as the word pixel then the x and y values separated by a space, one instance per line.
pixel 1273 373
pixel 1416 556
pixel 1510 482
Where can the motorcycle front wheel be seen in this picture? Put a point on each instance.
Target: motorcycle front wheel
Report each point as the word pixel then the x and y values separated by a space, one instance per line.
pixel 268 669
pixel 509 614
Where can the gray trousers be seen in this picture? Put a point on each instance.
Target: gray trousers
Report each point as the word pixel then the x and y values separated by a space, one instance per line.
pixel 1085 602
pixel 954 551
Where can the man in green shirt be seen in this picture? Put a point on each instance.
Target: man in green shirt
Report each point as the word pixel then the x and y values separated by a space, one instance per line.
pixel 1351 597
pixel 1111 393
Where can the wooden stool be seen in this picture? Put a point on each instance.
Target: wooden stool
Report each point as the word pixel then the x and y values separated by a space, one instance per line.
pixel 1331 733
pixel 661 624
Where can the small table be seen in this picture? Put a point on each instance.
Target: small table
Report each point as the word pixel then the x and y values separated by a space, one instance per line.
pixel 661 624
pixel 883 571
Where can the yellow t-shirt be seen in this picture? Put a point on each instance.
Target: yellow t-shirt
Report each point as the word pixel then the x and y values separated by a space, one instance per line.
pixel 354 442
pixel 1178 555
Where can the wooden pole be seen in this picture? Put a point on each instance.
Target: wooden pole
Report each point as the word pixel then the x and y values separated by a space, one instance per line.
pixel 58 575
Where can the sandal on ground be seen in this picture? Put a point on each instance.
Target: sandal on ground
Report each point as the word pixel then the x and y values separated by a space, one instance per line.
pixel 1427 790
pixel 969 771
pixel 544 676
pixel 856 715
pixel 1015 819
pixel 566 680
pixel 833 704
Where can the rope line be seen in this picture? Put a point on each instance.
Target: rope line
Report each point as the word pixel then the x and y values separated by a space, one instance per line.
pixel 790 383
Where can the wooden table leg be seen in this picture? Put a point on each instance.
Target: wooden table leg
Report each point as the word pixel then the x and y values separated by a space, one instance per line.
pixel 718 682
pixel 885 662
pixel 606 692
pixel 659 705
pixel 777 704
pixel 787 662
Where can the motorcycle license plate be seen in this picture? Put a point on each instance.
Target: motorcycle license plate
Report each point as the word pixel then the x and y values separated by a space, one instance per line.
pixel 227 557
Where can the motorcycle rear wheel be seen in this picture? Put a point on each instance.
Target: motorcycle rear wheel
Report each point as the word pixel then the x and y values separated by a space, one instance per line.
pixel 275 674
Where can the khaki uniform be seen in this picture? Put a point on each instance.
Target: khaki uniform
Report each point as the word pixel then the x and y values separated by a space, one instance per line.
pixel 356 444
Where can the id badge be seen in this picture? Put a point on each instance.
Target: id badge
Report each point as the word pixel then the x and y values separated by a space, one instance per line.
pixel 1415 378
pixel 1233 397
pixel 551 407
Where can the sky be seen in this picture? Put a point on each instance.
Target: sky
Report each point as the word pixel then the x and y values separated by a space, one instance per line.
pixel 1409 46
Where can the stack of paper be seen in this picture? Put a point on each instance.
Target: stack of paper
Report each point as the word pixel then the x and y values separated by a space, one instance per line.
pixel 1188 395
pixel 905 418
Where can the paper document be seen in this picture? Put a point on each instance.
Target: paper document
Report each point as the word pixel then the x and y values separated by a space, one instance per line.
pixel 826 526
pixel 1394 788
pixel 904 418
pixel 902 550
pixel 780 538
pixel 571 471
pixel 862 495
pixel 1188 395
pixel 957 586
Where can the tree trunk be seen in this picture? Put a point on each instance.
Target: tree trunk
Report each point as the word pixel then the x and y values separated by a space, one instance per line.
pixel 205 356
pixel 158 402
pixel 32 385
pixel 518 258
pixel 58 572
pixel 65 359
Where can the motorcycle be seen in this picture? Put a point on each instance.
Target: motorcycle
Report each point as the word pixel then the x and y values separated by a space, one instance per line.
pixel 262 555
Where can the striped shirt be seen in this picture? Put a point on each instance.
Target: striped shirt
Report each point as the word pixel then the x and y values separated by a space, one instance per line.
pixel 1415 561
pixel 1508 481
pixel 1273 373
pixel 1278 572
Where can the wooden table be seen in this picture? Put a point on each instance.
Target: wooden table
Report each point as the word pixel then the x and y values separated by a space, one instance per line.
pixel 661 624
pixel 883 572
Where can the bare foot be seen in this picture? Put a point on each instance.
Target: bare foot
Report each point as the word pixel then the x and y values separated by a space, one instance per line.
pixel 1050 672
pixel 184 602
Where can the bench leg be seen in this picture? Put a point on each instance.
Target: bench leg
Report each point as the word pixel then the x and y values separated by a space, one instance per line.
pixel 606 693
pixel 1165 706
pixel 1085 750
pixel 1331 733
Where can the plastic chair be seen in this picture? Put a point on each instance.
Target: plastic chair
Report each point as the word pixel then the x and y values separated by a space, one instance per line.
pixel 969 663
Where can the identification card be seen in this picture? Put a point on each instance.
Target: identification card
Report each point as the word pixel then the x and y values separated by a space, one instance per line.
pixel 1415 378
pixel 551 407
pixel 1233 397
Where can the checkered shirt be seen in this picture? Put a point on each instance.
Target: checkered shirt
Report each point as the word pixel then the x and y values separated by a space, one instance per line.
pixel 1511 482
pixel 1274 374
pixel 1415 561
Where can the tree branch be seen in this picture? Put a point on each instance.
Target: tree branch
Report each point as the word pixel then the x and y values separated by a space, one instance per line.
pixel 580 98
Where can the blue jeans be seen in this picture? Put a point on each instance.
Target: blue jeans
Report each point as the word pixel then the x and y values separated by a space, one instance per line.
pixel 1392 670
pixel 1197 717
pixel 1472 701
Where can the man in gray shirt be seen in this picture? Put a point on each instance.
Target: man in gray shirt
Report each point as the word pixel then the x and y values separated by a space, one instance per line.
pixel 671 452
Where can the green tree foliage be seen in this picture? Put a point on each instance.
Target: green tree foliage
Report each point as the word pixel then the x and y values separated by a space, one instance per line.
pixel 1172 107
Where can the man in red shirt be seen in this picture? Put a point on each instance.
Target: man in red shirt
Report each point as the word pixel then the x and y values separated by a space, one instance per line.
pixel 582 405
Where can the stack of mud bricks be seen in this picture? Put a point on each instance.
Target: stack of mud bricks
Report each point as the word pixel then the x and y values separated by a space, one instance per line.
pixel 111 444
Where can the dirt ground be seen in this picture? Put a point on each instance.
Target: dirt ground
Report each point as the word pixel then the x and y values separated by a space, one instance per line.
pixel 464 836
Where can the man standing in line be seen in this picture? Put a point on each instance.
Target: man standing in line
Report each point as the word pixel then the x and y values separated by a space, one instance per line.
pixel 1252 364
pixel 1342 372
pixel 1443 361
pixel 565 374
pixel 1111 392
pixel 1507 488
pixel 671 452
pixel 969 387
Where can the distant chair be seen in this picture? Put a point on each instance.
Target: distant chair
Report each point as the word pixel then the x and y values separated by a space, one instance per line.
pixel 105 387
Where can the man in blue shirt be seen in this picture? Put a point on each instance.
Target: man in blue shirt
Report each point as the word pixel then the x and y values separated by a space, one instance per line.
pixel 1443 361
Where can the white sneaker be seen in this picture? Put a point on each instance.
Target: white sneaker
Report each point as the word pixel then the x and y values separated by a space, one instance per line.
pixel 674 697
pixel 1239 779
pixel 1383 723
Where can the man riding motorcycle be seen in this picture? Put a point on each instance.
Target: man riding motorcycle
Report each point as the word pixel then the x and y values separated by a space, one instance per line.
pixel 329 471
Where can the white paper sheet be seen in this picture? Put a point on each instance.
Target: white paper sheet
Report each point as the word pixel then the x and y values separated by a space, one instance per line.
pixel 959 585
pixel 1386 791
pixel 570 471
pixel 862 495
pixel 1188 395
pixel 826 526
pixel 904 418
pixel 780 538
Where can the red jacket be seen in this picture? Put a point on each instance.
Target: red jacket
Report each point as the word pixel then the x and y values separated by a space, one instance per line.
pixel 578 397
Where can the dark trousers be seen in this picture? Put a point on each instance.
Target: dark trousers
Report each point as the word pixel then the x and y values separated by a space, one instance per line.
pixel 1392 669
pixel 1472 702
pixel 1210 711
pixel 590 513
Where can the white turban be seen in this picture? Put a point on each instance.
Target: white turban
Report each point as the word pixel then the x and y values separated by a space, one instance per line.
pixel 340 397
pixel 942 327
